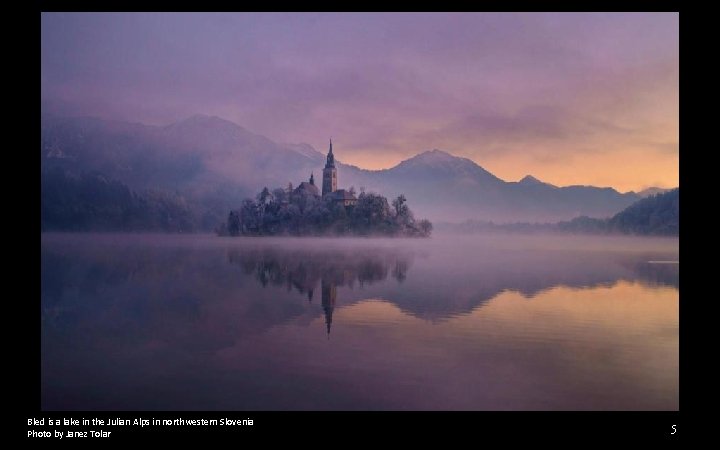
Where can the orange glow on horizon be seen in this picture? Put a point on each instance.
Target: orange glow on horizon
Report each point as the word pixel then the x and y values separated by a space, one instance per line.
pixel 623 170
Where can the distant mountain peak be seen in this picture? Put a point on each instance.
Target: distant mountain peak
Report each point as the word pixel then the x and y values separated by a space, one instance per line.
pixel 435 155
pixel 443 165
pixel 530 180
pixel 438 152
pixel 204 120
pixel 214 131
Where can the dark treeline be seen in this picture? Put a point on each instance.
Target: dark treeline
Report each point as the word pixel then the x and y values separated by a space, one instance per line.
pixel 287 212
pixel 85 202
pixel 655 215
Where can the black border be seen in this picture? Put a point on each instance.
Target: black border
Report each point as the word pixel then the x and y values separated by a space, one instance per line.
pixel 317 428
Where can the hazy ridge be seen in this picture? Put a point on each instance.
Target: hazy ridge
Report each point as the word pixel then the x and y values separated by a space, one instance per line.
pixel 189 174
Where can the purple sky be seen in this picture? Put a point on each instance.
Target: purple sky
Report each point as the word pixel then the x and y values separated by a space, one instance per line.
pixel 584 98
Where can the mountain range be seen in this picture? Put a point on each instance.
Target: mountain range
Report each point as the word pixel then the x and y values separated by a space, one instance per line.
pixel 213 164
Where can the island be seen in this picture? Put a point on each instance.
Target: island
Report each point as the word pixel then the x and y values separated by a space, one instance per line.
pixel 307 211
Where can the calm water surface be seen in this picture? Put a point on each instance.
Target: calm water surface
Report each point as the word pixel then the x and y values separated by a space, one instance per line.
pixel 162 322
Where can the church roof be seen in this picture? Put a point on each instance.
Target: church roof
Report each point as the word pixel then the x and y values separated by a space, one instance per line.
pixel 307 187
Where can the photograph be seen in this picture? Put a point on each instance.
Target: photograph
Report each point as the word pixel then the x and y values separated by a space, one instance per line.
pixel 248 212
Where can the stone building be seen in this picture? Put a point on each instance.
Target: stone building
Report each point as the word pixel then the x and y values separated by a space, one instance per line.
pixel 329 184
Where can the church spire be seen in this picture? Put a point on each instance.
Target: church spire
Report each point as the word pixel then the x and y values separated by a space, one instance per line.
pixel 330 158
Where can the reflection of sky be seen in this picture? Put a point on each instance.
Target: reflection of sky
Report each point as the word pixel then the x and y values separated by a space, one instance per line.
pixel 571 98
pixel 565 349
pixel 158 322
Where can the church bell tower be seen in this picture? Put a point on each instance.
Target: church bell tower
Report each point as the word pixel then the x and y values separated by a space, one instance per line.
pixel 329 174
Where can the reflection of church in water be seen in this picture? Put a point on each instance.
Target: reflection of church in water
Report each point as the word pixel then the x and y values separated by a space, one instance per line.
pixel 329 296
pixel 328 291
pixel 304 270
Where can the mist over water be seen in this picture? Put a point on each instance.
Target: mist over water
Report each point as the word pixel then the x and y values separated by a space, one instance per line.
pixel 484 322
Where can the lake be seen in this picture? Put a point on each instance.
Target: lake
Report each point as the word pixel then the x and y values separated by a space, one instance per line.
pixel 476 322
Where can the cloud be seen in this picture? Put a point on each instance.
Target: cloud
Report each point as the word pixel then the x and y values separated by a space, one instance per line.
pixel 539 86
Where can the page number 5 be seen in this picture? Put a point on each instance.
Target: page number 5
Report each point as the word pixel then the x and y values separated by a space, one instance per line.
pixel 674 429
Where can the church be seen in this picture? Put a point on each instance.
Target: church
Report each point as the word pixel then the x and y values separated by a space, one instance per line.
pixel 329 184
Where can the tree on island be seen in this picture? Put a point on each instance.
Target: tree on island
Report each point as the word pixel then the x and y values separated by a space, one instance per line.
pixel 233 223
pixel 287 212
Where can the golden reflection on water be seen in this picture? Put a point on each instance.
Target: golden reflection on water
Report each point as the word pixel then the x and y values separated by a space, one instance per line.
pixel 555 342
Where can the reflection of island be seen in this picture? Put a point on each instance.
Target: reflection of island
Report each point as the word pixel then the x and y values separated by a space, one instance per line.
pixel 198 299
pixel 449 287
pixel 304 271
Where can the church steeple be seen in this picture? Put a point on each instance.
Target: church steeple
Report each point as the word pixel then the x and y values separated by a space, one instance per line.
pixel 312 179
pixel 330 158
pixel 329 173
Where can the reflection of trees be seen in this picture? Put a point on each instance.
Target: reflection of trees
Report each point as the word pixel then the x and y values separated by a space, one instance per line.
pixel 399 272
pixel 658 273
pixel 304 270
